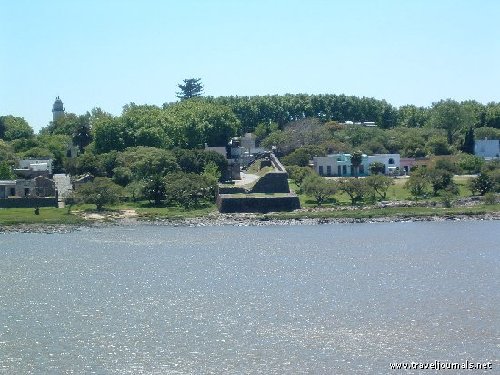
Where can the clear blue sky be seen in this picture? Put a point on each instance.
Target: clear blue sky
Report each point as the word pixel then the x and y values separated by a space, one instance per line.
pixel 108 53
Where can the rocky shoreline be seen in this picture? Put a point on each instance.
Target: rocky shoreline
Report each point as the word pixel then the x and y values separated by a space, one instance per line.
pixel 233 220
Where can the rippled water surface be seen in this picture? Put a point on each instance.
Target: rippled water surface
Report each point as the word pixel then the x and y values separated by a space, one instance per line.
pixel 325 299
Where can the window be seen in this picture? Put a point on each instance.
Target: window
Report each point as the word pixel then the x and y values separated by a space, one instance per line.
pixel 328 170
pixel 321 170
pixel 391 161
pixel 12 192
pixel 344 170
pixel 339 170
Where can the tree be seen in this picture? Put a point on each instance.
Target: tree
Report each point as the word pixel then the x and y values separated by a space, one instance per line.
pixel 437 145
pixel 81 134
pixel 298 174
pixel 6 171
pixel 450 116
pixel 355 188
pixel 154 189
pixel 356 161
pixel 470 163
pixel 299 157
pixel 14 128
pixel 468 145
pixel 191 88
pixel 192 123
pixel 379 184
pixel 211 171
pixel 189 189
pixel 440 179
pixel 318 188
pixel 145 162
pixel 101 191
pixel 482 183
pixel 376 168
pixel 417 184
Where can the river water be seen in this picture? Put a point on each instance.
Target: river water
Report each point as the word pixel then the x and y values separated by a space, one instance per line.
pixel 320 299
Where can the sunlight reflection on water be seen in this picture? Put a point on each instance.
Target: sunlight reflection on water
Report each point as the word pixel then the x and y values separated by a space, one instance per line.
pixel 271 300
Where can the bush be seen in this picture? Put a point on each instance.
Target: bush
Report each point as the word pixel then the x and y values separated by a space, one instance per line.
pixel 470 163
pixel 101 192
pixel 490 198
pixel 318 188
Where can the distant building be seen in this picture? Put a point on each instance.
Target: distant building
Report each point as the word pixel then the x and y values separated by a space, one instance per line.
pixel 487 148
pixel 391 162
pixel 57 109
pixel 368 124
pixel 7 188
pixel 340 165
pixel 407 164
pixel 29 168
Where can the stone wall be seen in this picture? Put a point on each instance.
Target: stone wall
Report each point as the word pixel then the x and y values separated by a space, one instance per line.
pixel 28 202
pixel 229 203
pixel 272 182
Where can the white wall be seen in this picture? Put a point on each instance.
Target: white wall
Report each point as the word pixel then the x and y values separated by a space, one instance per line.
pixel 487 148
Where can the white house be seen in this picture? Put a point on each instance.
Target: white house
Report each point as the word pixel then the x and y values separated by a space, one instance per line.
pixel 390 161
pixel 487 148
pixel 339 165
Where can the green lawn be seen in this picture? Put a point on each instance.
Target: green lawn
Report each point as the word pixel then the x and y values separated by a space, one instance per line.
pixel 48 215
pixel 397 212
pixel 397 192
pixel 175 213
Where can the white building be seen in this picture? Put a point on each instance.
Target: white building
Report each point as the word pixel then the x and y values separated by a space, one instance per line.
pixel 339 165
pixel 36 165
pixel 487 148
pixel 390 161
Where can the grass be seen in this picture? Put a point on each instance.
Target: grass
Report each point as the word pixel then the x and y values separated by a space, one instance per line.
pixel 48 215
pixel 397 212
pixel 396 192
pixel 175 213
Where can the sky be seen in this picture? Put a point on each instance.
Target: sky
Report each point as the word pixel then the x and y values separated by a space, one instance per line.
pixel 107 53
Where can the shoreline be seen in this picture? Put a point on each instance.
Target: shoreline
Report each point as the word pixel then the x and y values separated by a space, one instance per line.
pixel 216 220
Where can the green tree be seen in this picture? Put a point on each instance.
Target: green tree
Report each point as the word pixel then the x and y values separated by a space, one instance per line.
pixel 468 144
pixel 299 157
pixel 189 189
pixel 191 88
pixel 437 145
pixel 12 128
pixel 298 174
pixel 470 163
pixel 6 172
pixel 376 168
pixel 154 189
pixel 318 188
pixel 440 179
pixel 356 160
pixel 482 184
pixel 450 116
pixel 192 123
pixel 379 185
pixel 145 162
pixel 211 172
pixel 417 184
pixel 355 188
pixel 102 191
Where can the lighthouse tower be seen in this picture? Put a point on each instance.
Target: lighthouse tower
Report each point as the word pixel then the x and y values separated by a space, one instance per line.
pixel 58 109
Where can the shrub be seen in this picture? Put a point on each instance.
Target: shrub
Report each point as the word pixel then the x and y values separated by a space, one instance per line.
pixel 490 198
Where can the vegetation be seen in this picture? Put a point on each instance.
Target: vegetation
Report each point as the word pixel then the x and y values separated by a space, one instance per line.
pixel 102 191
pixel 153 156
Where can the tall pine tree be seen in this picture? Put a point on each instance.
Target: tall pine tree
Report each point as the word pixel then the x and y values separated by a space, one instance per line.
pixel 468 145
